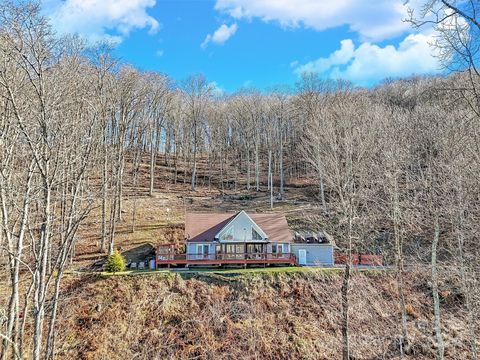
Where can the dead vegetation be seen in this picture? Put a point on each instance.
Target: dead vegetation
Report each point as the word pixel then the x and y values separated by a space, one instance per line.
pixel 251 316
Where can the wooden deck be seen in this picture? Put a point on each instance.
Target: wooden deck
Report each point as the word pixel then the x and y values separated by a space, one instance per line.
pixel 225 259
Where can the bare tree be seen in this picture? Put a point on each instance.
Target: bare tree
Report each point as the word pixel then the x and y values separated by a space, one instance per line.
pixel 345 146
pixel 197 92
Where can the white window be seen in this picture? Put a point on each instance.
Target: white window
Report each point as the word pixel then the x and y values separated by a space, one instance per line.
pixel 202 249
pixel 277 249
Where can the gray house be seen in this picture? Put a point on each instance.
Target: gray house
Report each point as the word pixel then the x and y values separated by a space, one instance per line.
pixel 313 249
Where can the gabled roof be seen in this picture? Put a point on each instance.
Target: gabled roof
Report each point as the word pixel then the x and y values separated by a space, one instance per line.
pixel 200 227
pixel 252 222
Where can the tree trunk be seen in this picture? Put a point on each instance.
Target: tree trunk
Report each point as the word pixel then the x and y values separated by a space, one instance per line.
pixel 436 299
pixel 322 193
pixel 270 179
pixel 104 196
pixel 345 292
pixel 404 342
pixel 321 184
pixel 280 163
pixel 248 168
pixel 41 272
pixel 345 307
pixel 257 168
pixel 152 163
pixel 194 169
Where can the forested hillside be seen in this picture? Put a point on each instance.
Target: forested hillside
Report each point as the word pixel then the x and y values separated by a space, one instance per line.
pixel 86 140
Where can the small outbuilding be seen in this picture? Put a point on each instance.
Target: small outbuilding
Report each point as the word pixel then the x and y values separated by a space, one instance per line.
pixel 313 248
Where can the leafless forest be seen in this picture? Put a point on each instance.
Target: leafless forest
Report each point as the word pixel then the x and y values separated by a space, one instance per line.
pixel 394 168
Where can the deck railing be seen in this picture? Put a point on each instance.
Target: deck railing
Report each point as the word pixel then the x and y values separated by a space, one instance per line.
pixel 218 258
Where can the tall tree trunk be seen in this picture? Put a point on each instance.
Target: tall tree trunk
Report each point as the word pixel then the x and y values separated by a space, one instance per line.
pixel 120 187
pixel 436 299
pixel 345 316
pixel 194 169
pixel 152 161
pixel 345 292
pixel 111 245
pixel 271 193
pixel 222 159
pixel 270 178
pixel 280 163
pixel 15 262
pixel 248 168
pixel 404 342
pixel 257 168
pixel 269 169
pixel 41 271
pixel 321 185
pixel 104 195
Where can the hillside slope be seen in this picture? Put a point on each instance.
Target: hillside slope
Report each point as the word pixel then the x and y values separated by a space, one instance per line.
pixel 255 315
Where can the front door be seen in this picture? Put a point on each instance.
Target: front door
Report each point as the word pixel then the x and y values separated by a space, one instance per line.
pixel 302 257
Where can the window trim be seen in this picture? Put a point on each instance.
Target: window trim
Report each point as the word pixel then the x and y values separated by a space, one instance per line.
pixel 203 247
pixel 275 247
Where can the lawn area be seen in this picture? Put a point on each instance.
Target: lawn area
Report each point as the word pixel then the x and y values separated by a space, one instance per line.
pixel 225 271
pixel 239 271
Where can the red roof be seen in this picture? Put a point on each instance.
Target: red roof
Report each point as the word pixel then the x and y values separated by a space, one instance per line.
pixel 201 227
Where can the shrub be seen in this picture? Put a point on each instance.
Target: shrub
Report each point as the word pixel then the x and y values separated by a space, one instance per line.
pixel 115 263
pixel 410 310
pixel 445 295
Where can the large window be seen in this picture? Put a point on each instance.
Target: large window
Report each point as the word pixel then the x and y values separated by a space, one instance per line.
pixel 256 235
pixel 228 234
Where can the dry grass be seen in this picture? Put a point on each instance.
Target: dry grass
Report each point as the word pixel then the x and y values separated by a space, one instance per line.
pixel 280 315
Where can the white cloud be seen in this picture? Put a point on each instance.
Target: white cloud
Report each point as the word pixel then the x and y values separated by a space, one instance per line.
pixel 96 19
pixel 369 63
pixel 159 53
pixel 372 19
pixel 217 90
pixel 222 34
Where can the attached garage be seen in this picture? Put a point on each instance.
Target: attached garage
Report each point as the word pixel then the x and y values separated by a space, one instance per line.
pixel 313 254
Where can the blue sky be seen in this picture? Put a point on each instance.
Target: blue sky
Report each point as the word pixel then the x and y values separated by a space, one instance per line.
pixel 259 43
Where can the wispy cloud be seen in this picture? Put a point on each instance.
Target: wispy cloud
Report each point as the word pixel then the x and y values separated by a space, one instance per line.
pixel 220 36
pixel 101 19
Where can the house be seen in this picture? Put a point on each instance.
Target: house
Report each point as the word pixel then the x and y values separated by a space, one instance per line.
pixel 237 239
